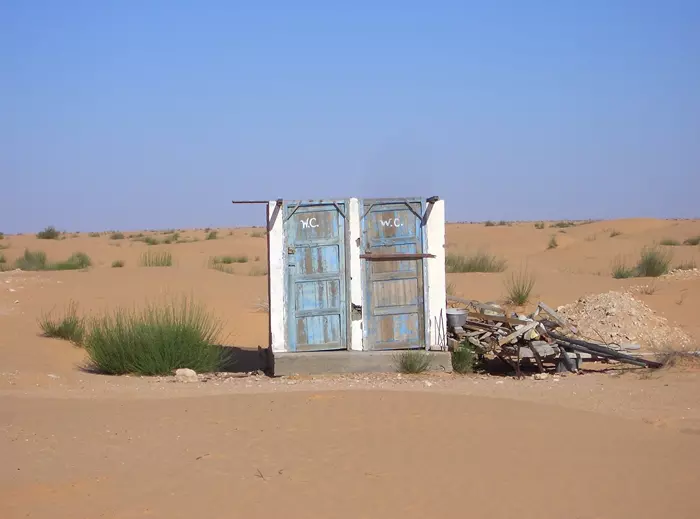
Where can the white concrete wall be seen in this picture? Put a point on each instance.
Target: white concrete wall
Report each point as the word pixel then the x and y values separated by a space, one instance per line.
pixel 436 286
pixel 356 293
pixel 276 263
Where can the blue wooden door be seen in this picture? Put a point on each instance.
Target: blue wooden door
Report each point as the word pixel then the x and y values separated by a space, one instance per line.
pixel 316 278
pixel 394 298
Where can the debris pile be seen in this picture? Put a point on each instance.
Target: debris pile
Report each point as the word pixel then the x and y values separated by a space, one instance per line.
pixel 619 318
pixel 546 336
pixel 682 274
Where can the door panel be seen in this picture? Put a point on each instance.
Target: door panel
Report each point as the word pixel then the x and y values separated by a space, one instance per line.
pixel 394 298
pixel 316 278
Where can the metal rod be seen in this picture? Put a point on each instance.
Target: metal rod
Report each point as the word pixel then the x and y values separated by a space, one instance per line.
pixel 252 201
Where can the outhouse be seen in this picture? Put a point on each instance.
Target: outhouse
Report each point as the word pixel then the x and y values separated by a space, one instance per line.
pixel 356 275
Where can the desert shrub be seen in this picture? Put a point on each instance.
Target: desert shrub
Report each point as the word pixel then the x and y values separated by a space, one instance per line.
pixel 502 223
pixel 464 358
pixel 620 269
pixel 687 265
pixel 76 261
pixel 670 242
pixel 3 259
pixel 695 240
pixel 227 260
pixel 94 234
pixel 172 238
pixel 69 326
pixel 478 262
pixel 117 236
pixel 31 261
pixel 539 225
pixel 257 234
pixel 150 240
pixel 136 236
pixel 156 340
pixel 2 235
pixel 519 286
pixel 563 224
pixel 156 259
pixel 412 361
pixel 553 244
pixel 50 233
pixel 489 223
pixel 614 233
pixel 117 264
pixel 212 235
pixel 653 262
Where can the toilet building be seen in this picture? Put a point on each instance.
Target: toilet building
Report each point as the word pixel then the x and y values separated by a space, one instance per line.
pixel 356 275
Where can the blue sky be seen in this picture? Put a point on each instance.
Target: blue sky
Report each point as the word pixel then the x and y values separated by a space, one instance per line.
pixel 156 113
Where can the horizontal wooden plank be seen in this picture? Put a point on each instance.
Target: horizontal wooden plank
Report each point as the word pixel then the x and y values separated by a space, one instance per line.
pixel 498 318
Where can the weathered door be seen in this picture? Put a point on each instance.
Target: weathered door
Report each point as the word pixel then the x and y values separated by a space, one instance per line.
pixel 317 314
pixel 394 300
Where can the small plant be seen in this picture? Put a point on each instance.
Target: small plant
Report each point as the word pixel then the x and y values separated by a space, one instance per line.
pixel 31 261
pixel 670 242
pixel 136 236
pixel 172 238
pixel 648 290
pixel 50 233
pixel 3 259
pixel 412 361
pixel 654 262
pixel 539 225
pixel 563 224
pixel 478 262
pixel 620 270
pixel 212 235
pixel 258 271
pixel 614 233
pixel 2 235
pixel 553 244
pixel 519 286
pixel 70 326
pixel 117 264
pixel 464 358
pixel 227 260
pixel 93 234
pixel 156 259
pixel 450 289
pixel 257 258
pixel 156 340
pixel 695 240
pixel 687 265
pixel 77 261
pixel 117 236
pixel 150 240
pixel 257 234
pixel 502 223
pixel 489 223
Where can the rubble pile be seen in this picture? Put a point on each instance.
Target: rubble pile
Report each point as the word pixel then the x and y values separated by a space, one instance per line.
pixel 618 318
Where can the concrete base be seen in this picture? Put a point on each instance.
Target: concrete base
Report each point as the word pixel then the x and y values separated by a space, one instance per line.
pixel 343 361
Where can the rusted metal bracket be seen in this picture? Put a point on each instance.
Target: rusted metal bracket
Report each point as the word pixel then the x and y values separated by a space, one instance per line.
pixel 395 256
pixel 298 205
pixel 388 202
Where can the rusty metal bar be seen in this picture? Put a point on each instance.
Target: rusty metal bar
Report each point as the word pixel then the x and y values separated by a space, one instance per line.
pixel 395 257
pixel 279 201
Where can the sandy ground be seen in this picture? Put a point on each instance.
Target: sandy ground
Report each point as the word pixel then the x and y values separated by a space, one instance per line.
pixel 610 443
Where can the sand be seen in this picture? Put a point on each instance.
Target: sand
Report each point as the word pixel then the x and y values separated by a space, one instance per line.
pixel 74 444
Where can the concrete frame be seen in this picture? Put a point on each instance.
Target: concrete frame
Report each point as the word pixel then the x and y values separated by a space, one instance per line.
pixel 434 276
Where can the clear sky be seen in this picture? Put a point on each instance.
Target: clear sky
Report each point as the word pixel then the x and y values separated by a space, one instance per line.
pixel 131 114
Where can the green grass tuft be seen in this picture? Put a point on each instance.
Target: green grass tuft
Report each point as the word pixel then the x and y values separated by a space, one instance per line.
pixel 156 259
pixel 412 361
pixel 3 259
pixel 519 287
pixel 695 240
pixel 614 233
pixel 563 224
pixel 156 340
pixel 478 262
pixel 489 223
pixel 464 358
pixel 258 271
pixel 70 326
pixel 2 235
pixel 670 242
pixel 117 236
pixel 257 234
pixel 117 264
pixel 212 235
pixel 50 233
pixel 553 244
pixel 228 260
pixel 620 269
pixel 539 225
pixel 77 261
pixel 654 262
pixel 94 235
